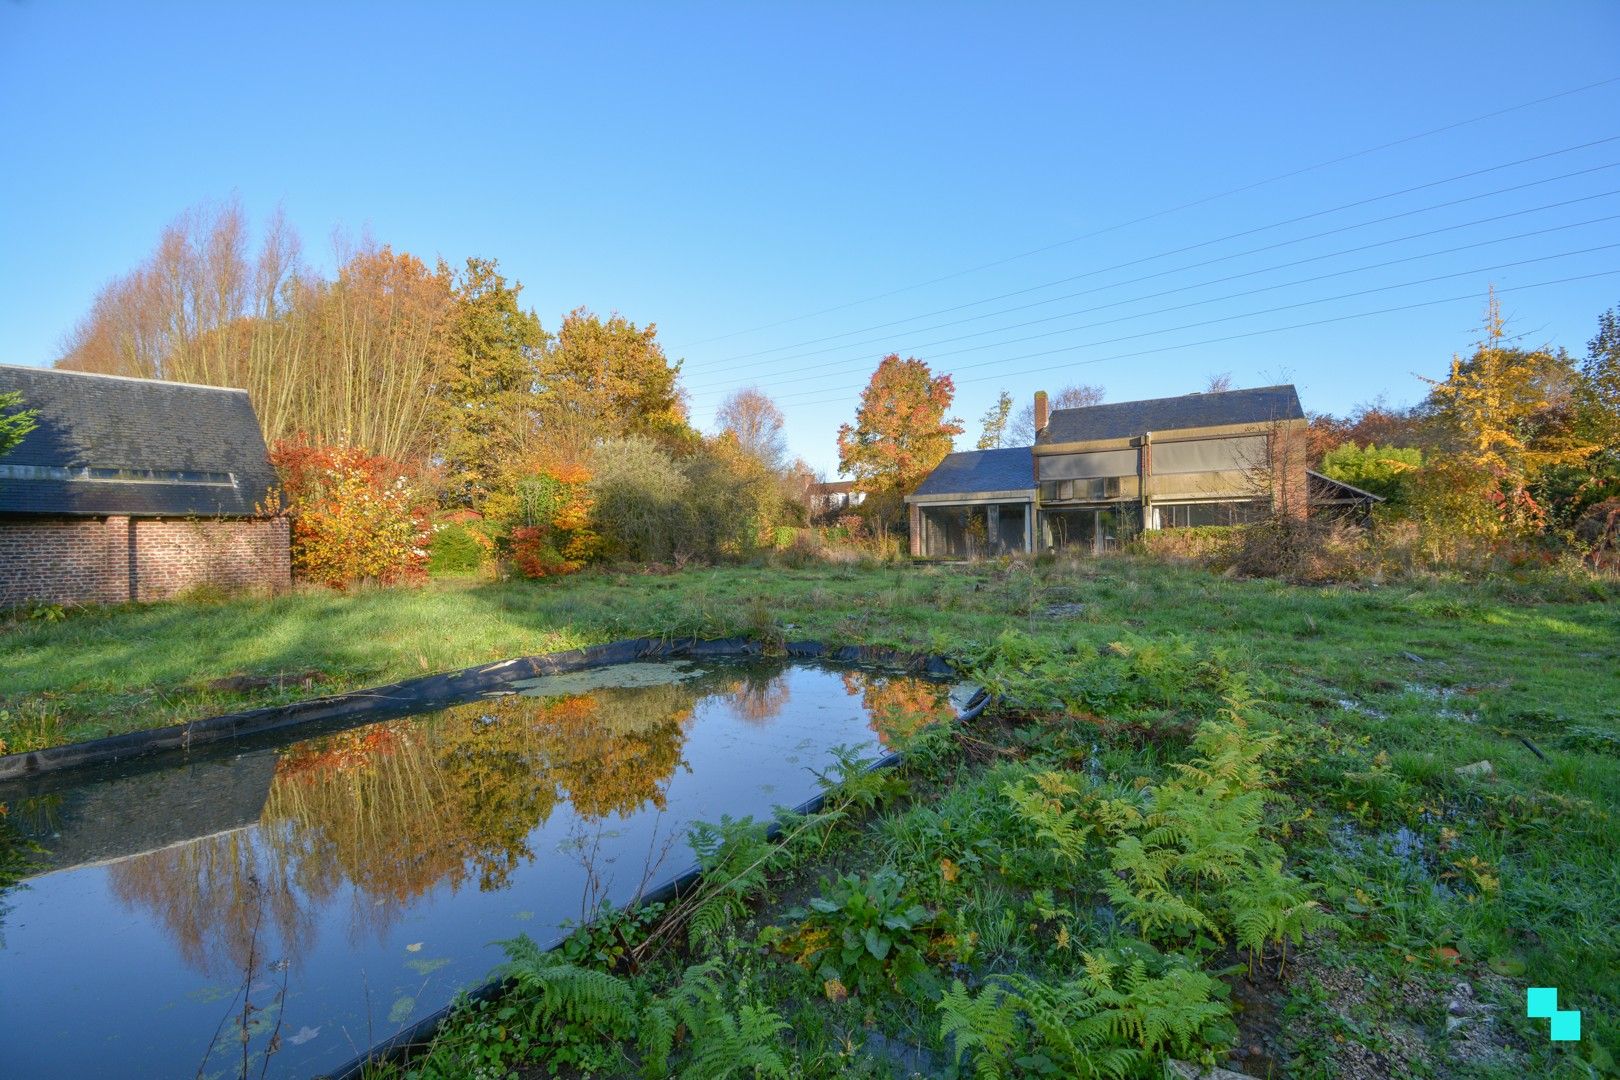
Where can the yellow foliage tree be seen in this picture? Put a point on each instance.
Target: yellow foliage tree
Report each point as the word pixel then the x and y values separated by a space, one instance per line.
pixel 1497 409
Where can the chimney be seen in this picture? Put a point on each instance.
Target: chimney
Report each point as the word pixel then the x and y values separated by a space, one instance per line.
pixel 1042 412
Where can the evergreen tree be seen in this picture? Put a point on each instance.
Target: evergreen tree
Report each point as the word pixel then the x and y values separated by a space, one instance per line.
pixel 994 421
pixel 487 392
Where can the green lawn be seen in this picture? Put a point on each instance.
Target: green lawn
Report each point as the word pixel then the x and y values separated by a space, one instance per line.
pixel 1372 697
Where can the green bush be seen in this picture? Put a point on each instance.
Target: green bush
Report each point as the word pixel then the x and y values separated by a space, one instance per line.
pixel 641 501
pixel 454 549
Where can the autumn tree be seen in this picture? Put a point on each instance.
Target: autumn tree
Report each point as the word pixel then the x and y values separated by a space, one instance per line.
pixel 1371 423
pixel 205 308
pixel 609 379
pixel 1504 415
pixel 380 340
pixel 351 361
pixel 1021 432
pixel 901 431
pixel 487 389
pixel 993 424
pixel 756 423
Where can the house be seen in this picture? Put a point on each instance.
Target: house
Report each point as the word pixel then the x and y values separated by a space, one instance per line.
pixel 134 489
pixel 838 497
pixel 1097 476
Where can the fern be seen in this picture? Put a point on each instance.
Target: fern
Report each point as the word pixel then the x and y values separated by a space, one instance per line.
pixel 1061 827
pixel 985 1026
pixel 1114 1021
pixel 736 858
pixel 557 990
pixel 723 1043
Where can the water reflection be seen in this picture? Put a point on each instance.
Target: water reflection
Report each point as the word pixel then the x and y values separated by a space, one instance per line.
pixel 399 808
pixel 269 860
pixel 899 705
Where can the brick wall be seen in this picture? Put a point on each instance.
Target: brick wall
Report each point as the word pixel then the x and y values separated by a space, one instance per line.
pixel 117 559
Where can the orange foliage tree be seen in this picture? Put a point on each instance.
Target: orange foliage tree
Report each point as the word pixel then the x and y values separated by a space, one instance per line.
pixel 355 516
pixel 901 430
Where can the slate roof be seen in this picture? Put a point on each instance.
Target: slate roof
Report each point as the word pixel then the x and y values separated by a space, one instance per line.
pixel 975 471
pixel 1126 419
pixel 141 447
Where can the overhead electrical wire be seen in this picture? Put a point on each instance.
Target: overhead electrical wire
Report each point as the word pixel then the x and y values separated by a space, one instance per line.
pixel 1233 277
pixel 844 397
pixel 1217 240
pixel 857 365
pixel 1205 200
pixel 1242 315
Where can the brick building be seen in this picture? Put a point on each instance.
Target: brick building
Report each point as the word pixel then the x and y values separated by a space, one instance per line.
pixel 134 489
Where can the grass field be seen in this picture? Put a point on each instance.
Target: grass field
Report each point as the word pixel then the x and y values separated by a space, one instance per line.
pixel 1446 894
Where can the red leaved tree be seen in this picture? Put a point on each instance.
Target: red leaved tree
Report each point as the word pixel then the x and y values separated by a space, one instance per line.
pixel 355 516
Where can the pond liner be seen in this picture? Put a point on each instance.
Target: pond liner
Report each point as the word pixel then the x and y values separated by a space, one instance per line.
pixel 421 1034
pixel 432 691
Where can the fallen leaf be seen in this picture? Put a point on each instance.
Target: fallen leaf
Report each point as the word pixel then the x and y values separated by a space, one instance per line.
pixel 415 946
pixel 949 871
pixel 1448 954
pixel 834 990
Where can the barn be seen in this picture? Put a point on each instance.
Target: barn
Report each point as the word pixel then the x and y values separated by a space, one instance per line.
pixel 135 489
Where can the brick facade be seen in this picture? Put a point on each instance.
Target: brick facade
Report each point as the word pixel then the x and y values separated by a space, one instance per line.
pixel 117 559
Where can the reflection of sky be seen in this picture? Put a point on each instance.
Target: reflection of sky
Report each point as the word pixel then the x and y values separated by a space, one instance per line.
pixel 94 984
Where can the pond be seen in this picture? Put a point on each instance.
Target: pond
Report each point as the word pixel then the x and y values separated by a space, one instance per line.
pixel 352 881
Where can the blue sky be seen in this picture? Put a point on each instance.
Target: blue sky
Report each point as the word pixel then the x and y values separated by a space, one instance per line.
pixel 717 168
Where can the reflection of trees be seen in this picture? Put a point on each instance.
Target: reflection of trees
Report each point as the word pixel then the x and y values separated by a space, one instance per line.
pixel 758 696
pixel 899 706
pixel 401 807
pixel 210 893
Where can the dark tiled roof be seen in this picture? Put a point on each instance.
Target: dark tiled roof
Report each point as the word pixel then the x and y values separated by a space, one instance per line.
pixel 974 471
pixel 1126 419
pixel 140 436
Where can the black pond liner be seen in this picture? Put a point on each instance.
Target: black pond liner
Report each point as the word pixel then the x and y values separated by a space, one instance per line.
pixel 420 1034
pixel 431 692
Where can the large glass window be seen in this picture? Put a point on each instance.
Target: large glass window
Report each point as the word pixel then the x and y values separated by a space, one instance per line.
pixel 1090 530
pixel 1087 490
pixel 1193 514
pixel 971 532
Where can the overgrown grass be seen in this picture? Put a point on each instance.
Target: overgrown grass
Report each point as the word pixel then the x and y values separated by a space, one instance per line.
pixel 1017 836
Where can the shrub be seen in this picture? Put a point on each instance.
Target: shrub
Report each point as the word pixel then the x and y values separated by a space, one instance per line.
pixel 734 499
pixel 1310 550
pixel 456 549
pixel 356 516
pixel 1214 545
pixel 554 534
pixel 640 501
pixel 1382 470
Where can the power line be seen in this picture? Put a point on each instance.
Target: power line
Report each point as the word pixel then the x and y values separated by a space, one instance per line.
pixel 1179 307
pixel 1240 254
pixel 1251 314
pixel 1171 210
pixel 1190 247
pixel 1247 333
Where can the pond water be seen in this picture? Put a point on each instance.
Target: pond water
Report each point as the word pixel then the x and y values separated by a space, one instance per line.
pixel 352 881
